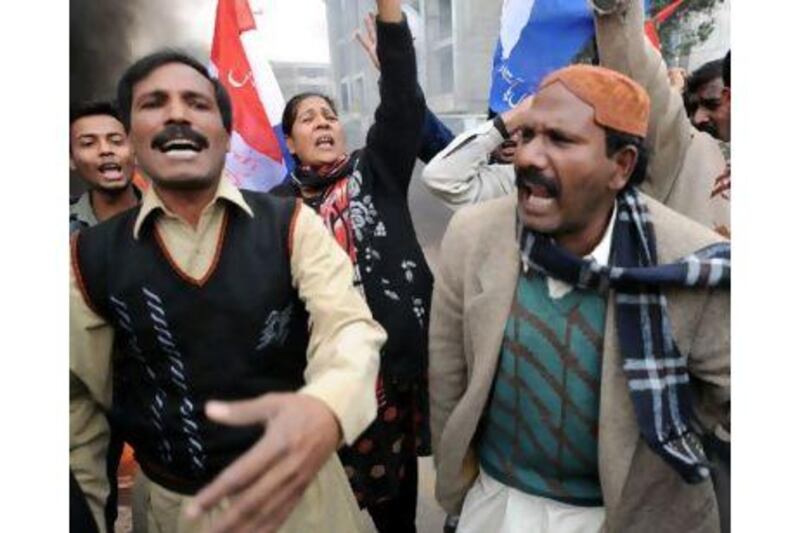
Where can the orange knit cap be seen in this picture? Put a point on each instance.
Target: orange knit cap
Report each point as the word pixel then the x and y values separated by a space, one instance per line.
pixel 619 102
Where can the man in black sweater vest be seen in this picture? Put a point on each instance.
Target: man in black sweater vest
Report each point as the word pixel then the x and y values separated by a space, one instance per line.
pixel 189 315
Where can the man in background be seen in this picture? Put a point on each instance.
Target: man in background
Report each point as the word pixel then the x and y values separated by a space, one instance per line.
pixel 99 152
pixel 708 100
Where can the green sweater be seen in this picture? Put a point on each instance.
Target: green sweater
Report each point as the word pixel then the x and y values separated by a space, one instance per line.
pixel 539 434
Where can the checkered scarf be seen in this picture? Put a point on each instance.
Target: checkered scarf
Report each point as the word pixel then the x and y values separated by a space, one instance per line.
pixel 658 377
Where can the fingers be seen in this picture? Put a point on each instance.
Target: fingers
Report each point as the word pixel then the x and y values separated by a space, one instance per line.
pixel 242 413
pixel 369 45
pixel 362 41
pixel 269 449
pixel 266 504
pixel 239 475
pixel 369 24
pixel 269 479
pixel 721 188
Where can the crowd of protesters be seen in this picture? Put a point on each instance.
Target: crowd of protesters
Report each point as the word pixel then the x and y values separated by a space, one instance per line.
pixel 278 361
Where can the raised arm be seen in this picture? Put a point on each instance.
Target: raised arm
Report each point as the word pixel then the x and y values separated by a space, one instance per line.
pixel 462 173
pixel 394 139
pixel 623 46
pixel 435 134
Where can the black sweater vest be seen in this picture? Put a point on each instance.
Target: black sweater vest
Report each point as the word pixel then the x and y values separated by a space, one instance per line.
pixel 239 333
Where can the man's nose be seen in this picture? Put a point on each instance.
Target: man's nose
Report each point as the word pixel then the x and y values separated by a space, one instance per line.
pixel 177 112
pixel 106 148
pixel 531 154
pixel 700 115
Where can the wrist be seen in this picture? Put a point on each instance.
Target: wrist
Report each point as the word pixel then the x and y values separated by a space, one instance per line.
pixel 501 125
pixel 606 7
pixel 390 11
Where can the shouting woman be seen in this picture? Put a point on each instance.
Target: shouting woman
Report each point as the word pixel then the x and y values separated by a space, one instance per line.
pixel 363 198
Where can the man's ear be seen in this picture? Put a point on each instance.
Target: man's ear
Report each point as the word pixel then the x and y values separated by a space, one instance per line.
pixel 725 96
pixel 625 162
pixel 72 165
pixel 290 145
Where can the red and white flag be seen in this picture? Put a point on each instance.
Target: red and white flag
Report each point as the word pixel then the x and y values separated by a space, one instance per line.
pixel 258 159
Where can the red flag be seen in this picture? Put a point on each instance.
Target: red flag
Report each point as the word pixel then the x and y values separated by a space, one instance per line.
pixel 228 56
pixel 652 24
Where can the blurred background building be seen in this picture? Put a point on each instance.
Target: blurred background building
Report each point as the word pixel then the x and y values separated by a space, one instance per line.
pixel 300 77
pixel 454 42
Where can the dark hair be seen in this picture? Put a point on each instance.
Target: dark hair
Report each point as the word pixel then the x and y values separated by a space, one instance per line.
pixel 78 110
pixel 726 70
pixel 706 73
pixel 142 68
pixel 617 140
pixel 290 111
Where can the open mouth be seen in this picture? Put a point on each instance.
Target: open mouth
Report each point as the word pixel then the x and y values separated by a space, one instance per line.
pixel 324 141
pixel 179 141
pixel 538 195
pixel 111 171
pixel 539 191
pixel 538 186
pixel 181 149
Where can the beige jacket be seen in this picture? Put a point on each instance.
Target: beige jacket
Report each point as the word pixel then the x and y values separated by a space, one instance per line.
pixel 471 301
pixel 342 358
pixel 684 162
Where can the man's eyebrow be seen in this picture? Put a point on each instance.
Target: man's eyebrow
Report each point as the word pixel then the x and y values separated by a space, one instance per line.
pixel 570 135
pixel 195 94
pixel 558 131
pixel 155 93
pixel 87 135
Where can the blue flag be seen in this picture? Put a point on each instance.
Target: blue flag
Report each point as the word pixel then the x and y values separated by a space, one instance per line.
pixel 536 38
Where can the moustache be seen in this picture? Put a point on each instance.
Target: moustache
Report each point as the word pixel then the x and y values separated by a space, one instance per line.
pixel 709 128
pixel 510 143
pixel 529 177
pixel 179 131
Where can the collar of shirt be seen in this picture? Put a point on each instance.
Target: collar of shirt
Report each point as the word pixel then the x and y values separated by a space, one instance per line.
pixel 557 288
pixel 82 209
pixel 152 204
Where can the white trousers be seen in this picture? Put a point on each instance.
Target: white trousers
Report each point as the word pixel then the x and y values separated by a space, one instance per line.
pixel 493 506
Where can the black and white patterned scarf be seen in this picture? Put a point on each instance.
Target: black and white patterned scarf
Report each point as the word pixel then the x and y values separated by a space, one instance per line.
pixel 658 377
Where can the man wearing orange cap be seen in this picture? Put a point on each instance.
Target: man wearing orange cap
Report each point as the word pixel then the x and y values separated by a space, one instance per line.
pixel 567 322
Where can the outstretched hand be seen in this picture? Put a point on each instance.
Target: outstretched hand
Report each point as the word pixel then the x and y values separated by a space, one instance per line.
pixel 266 483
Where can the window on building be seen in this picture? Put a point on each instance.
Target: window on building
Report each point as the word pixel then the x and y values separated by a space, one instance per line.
pixel 345 96
pixel 439 24
pixel 439 20
pixel 343 51
pixel 442 72
pixel 359 95
pixel 350 17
